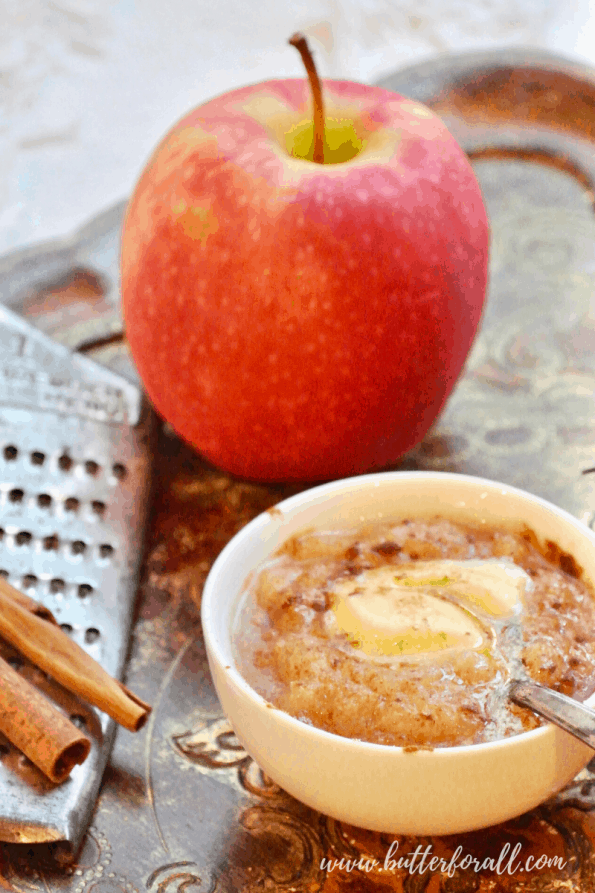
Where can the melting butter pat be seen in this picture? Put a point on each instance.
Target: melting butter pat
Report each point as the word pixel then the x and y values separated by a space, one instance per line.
pixel 427 606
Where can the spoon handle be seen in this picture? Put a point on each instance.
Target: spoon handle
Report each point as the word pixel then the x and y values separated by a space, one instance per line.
pixel 570 715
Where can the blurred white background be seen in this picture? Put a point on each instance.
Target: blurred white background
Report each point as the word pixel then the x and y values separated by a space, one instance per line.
pixel 88 87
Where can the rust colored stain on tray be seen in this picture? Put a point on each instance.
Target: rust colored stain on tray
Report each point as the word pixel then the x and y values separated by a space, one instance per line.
pixel 536 97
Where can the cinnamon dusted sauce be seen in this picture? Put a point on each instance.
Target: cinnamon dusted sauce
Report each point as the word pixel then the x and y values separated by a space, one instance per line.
pixel 406 632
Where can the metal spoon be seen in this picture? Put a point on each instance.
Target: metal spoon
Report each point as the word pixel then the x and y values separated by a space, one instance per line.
pixel 563 711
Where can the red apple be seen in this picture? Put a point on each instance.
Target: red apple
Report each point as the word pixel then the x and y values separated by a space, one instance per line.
pixel 303 321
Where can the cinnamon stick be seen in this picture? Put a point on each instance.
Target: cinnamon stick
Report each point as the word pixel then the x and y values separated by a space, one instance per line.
pixel 28 603
pixel 49 648
pixel 36 727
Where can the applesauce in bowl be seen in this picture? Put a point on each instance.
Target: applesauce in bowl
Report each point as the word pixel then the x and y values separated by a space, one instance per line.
pixel 406 632
pixel 420 784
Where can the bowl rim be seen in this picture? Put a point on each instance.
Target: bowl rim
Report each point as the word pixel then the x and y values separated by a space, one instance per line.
pixel 322 735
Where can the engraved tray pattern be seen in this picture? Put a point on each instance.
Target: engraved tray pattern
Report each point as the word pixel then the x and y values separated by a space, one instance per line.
pixel 182 805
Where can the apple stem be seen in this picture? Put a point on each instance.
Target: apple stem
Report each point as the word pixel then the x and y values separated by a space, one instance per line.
pixel 299 41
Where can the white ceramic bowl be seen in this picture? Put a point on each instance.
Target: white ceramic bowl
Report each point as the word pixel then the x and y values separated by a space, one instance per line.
pixel 444 791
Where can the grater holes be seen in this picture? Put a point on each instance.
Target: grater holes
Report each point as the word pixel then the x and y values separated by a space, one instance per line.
pixel 92 468
pixel 23 538
pixel 37 457
pixel 65 463
pixel 98 508
pixel 51 543
pixel 16 495
pixel 1 534
pixel 78 720
pixel 10 453
pixel 72 504
pixel 29 581
pixel 15 661
pixel 78 547
pixel 119 471
pixel 92 635
pixel 4 750
pixel 44 500
pixel 66 628
pixel 57 585
pixel 4 573
pixel 84 590
pixel 105 550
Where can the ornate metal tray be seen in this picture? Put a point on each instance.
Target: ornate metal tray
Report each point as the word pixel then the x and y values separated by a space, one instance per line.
pixel 182 806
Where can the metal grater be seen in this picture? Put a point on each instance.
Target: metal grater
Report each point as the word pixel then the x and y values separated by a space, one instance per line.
pixel 74 478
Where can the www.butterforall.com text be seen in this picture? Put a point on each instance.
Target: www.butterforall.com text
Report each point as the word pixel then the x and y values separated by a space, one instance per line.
pixel 421 860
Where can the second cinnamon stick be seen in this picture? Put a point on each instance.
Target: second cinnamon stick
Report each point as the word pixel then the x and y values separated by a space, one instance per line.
pixel 37 728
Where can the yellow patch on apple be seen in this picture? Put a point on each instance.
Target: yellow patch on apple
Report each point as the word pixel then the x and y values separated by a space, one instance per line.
pixel 341 140
pixel 198 222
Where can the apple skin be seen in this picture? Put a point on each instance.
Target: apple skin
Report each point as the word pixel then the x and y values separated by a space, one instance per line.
pixel 296 321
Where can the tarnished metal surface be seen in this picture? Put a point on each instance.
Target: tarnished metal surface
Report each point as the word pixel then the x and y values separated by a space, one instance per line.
pixel 74 463
pixel 182 806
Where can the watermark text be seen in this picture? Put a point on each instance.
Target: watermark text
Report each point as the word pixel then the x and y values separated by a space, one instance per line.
pixel 422 860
